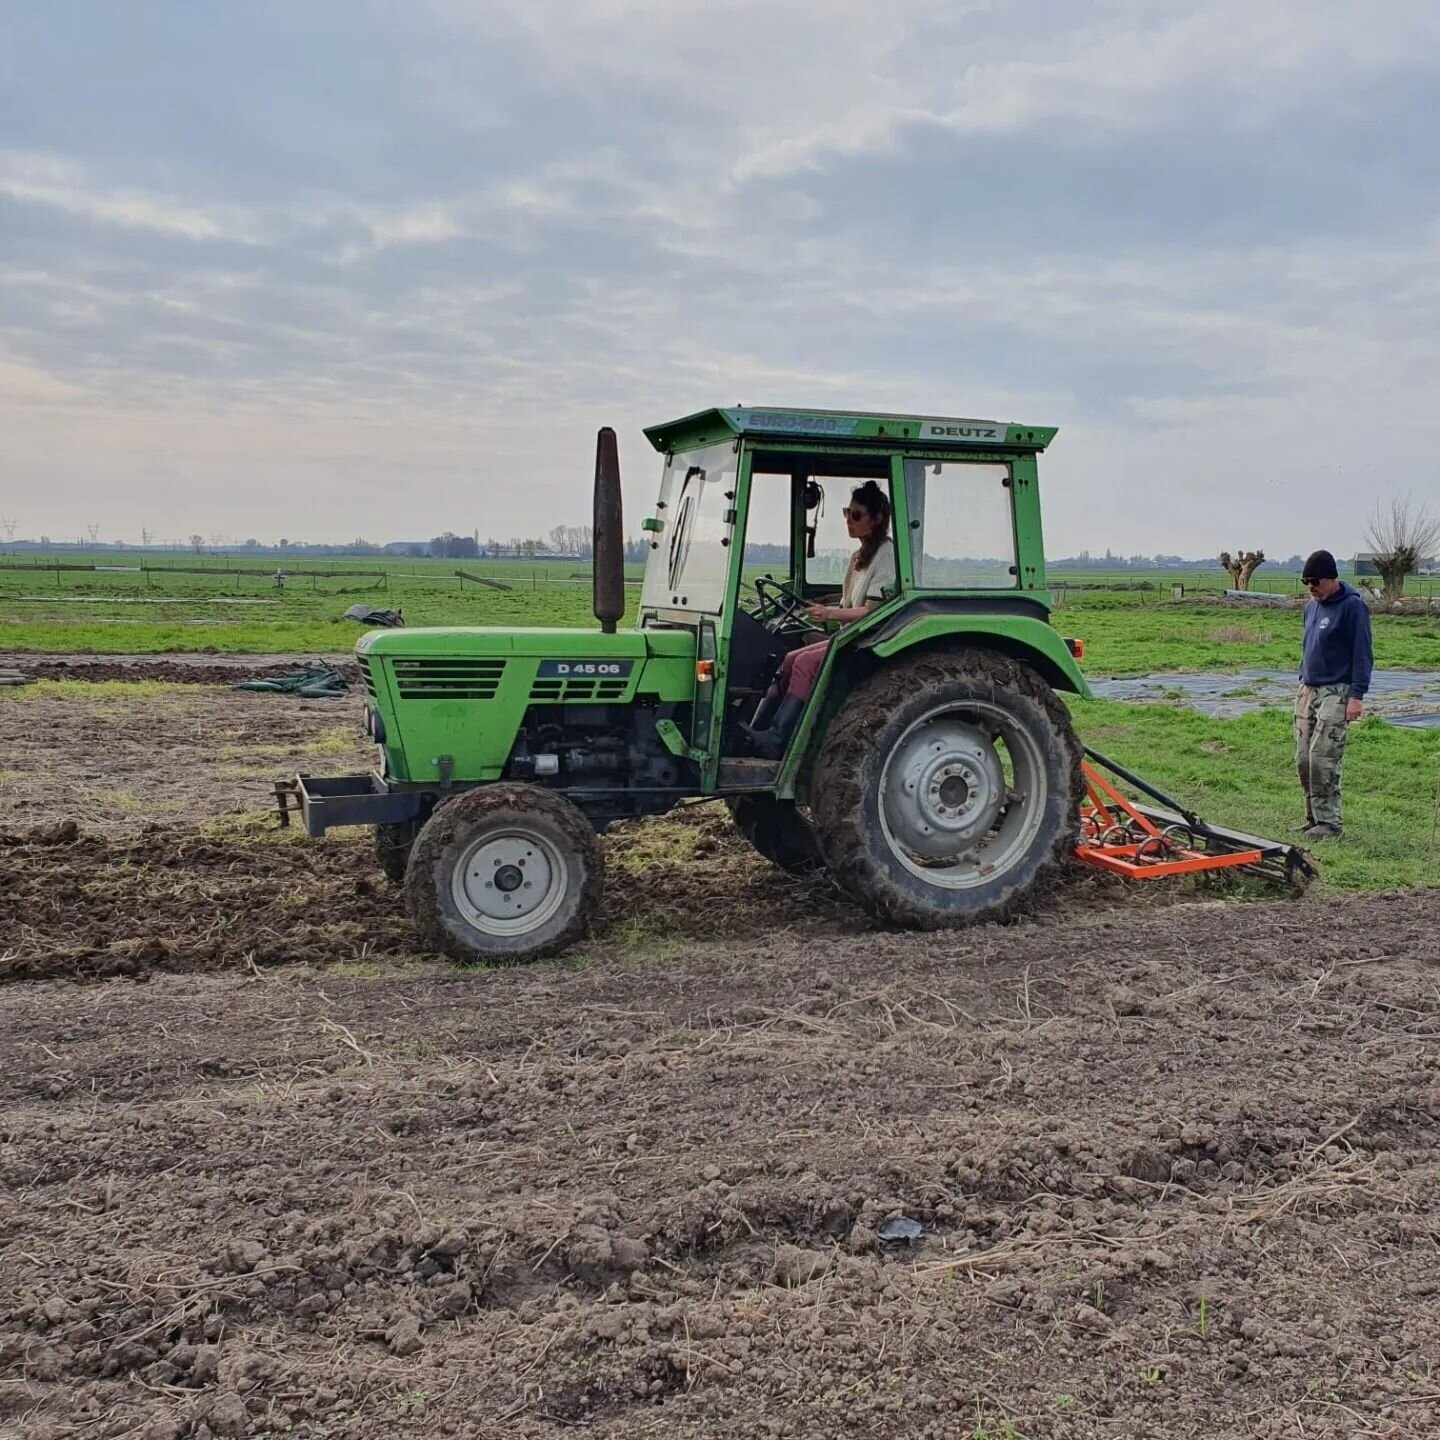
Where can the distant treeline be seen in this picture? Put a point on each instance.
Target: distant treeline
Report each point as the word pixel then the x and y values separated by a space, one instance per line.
pixel 1086 561
pixel 574 542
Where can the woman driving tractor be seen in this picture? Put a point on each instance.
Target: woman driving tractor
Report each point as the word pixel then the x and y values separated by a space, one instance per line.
pixel 870 571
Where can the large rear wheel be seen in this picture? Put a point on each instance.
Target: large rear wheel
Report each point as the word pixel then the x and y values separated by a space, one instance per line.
pixel 504 873
pixel 946 787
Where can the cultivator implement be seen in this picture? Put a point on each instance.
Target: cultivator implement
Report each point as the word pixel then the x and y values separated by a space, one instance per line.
pixel 1143 842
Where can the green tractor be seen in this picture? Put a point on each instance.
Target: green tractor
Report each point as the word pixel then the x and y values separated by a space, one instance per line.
pixel 933 771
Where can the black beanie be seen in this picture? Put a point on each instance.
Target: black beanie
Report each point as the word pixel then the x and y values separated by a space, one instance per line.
pixel 1320 566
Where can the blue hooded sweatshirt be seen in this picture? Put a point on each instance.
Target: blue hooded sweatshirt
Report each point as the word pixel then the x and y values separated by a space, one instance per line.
pixel 1337 643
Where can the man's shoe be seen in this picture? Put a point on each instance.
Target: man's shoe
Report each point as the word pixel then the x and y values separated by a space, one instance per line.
pixel 1301 829
pixel 1324 832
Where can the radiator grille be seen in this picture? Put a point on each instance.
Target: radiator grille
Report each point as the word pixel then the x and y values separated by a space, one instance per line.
pixel 579 688
pixel 437 679
pixel 367 679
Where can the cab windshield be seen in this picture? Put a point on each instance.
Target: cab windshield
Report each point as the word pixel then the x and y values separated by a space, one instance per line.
pixel 690 554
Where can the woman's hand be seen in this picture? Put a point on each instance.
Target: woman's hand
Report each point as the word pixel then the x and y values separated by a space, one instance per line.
pixel 836 614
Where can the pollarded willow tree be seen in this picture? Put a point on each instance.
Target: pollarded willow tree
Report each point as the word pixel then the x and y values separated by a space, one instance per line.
pixel 1402 536
pixel 1241 566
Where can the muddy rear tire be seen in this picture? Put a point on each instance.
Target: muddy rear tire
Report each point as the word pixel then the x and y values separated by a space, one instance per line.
pixel 505 873
pixel 947 786
pixel 778 831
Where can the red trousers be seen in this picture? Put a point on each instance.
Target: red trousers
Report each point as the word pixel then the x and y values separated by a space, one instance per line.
pixel 799 671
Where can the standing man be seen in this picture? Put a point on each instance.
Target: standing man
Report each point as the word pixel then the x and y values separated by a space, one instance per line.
pixel 1334 676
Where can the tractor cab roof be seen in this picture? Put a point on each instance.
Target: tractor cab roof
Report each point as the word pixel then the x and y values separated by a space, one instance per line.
pixel 927 432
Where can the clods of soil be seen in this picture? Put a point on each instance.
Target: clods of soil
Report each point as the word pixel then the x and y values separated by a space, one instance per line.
pixel 741 1165
pixel 1173 1177
pixel 167 669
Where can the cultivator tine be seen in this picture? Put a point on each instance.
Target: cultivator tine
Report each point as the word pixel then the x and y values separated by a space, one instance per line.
pixel 1143 842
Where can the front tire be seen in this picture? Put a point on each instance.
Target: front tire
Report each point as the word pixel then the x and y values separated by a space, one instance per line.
pixel 505 873
pixel 946 787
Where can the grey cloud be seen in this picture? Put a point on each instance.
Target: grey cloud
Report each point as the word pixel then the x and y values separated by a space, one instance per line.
pixel 322 274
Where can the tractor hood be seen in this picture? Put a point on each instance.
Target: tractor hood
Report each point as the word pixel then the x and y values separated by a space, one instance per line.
pixel 459 696
pixel 538 643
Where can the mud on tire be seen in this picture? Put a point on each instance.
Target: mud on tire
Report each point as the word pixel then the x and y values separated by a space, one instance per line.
pixel 504 873
pixel 904 771
pixel 778 831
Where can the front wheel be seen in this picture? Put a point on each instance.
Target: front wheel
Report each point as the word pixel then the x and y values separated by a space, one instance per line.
pixel 946 787
pixel 504 873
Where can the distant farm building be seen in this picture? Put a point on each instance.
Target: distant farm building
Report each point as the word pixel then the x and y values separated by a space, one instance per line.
pixel 1365 564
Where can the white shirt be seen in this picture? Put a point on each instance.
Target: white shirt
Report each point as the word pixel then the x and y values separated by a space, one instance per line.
pixel 862 586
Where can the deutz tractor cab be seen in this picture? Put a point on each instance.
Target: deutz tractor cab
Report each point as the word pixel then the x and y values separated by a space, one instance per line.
pixel 934 771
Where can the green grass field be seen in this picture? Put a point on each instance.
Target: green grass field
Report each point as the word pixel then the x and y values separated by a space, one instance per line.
pixel 161 610
pixel 1127 632
pixel 1238 772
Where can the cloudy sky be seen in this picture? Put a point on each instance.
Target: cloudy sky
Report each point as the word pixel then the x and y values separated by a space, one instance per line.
pixel 326 268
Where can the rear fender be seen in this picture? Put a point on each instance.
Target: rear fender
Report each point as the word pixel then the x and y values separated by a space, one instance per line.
pixel 1021 637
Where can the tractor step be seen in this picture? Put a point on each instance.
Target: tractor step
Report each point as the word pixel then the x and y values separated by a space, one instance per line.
pixel 747 772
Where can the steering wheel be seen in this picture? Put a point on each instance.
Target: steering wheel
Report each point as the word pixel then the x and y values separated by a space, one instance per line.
pixel 781 610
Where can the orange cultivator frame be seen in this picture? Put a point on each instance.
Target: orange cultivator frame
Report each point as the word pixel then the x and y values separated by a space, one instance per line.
pixel 1142 843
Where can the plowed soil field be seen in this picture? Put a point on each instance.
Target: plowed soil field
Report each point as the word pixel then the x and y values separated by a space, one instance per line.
pixel 741 1166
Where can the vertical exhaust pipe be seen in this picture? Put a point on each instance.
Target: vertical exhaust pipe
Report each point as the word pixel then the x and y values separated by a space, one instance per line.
pixel 609 562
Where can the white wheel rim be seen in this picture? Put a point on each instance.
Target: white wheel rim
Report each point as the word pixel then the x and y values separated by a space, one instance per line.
pixel 510 882
pixel 949 812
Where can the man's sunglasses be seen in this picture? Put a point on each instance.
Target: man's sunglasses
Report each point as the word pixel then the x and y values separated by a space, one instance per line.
pixel 1310 584
pixel 855 512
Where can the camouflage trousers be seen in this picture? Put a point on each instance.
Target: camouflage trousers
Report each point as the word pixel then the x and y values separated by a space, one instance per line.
pixel 1321 731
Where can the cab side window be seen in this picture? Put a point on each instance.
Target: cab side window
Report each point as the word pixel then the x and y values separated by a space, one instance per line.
pixel 962 529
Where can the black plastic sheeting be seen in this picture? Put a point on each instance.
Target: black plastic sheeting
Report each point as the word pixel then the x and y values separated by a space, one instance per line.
pixel 1403 697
